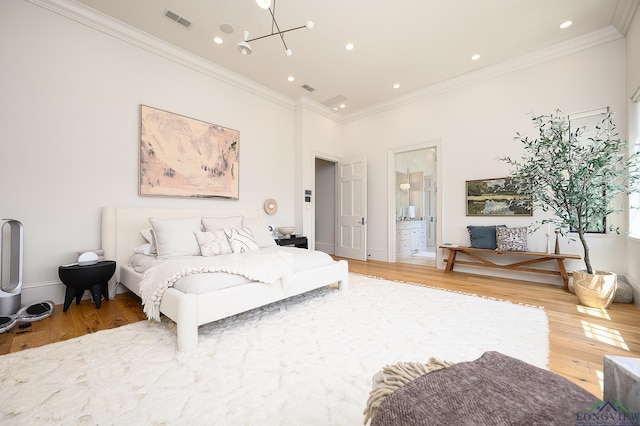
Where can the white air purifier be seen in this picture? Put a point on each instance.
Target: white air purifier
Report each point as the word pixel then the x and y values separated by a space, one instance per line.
pixel 11 250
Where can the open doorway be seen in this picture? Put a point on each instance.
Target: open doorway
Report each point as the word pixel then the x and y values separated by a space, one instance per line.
pixel 325 206
pixel 415 210
pixel 340 213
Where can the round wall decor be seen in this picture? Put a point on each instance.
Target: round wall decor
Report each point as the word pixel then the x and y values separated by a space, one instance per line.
pixel 271 206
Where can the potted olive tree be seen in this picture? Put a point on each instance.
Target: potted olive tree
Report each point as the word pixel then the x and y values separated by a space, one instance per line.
pixel 577 174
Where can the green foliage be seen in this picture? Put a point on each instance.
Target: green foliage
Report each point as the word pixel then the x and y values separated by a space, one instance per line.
pixel 573 176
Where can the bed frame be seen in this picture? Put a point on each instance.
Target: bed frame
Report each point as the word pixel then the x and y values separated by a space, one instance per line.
pixel 121 234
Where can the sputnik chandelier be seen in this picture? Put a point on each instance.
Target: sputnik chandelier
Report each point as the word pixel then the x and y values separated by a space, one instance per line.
pixel 245 48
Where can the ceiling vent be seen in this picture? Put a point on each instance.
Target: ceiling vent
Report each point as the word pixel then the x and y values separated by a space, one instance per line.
pixel 307 87
pixel 336 100
pixel 179 19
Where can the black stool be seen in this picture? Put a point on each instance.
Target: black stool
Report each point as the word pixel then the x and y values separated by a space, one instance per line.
pixel 89 277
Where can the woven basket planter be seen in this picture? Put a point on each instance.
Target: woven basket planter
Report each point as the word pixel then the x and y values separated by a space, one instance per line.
pixel 595 290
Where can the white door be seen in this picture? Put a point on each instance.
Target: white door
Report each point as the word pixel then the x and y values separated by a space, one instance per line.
pixel 351 229
pixel 430 209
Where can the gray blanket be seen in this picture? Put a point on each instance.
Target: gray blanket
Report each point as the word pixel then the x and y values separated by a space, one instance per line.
pixel 495 389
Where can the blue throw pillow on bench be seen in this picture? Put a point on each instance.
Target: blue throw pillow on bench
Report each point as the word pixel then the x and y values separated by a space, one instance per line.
pixel 483 236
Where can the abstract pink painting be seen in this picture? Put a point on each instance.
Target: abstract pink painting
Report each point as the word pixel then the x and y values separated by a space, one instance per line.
pixel 185 157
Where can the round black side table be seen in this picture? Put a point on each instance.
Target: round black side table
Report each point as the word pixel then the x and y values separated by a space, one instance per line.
pixel 89 277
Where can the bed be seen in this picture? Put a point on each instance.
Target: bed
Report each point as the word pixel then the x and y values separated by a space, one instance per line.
pixel 188 300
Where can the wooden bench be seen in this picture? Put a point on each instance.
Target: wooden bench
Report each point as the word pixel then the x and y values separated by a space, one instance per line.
pixel 479 256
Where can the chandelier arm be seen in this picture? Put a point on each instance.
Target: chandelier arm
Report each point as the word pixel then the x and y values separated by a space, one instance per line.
pixel 283 42
pixel 273 18
pixel 277 33
pixel 272 11
pixel 274 22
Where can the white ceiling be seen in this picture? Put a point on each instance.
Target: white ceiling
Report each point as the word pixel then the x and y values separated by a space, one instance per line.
pixel 415 43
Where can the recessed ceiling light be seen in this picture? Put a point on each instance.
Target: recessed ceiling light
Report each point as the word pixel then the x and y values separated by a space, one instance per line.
pixel 349 46
pixel 342 106
pixel 227 28
pixel 566 24
pixel 396 86
pixel 291 78
pixel 335 108
pixel 217 40
pixel 475 57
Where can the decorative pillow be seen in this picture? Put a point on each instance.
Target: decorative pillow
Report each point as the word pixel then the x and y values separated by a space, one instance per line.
pixel 147 234
pixel 213 243
pixel 260 230
pixel 176 237
pixel 213 223
pixel 483 236
pixel 511 239
pixel 241 240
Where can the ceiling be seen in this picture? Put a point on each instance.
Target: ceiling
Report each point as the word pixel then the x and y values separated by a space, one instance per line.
pixel 414 43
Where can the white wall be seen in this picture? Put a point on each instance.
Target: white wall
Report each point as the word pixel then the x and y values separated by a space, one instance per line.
pixel 476 124
pixel 633 114
pixel 69 133
pixel 318 135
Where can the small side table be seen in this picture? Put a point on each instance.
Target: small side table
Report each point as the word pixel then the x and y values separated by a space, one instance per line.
pixel 89 277
pixel 300 242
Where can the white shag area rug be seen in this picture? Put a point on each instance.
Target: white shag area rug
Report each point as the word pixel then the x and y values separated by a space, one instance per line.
pixel 308 360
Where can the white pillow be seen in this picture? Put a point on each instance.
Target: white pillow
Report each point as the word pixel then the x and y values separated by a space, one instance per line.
pixel 144 249
pixel 140 262
pixel 260 230
pixel 147 233
pixel 213 243
pixel 176 237
pixel 241 240
pixel 213 223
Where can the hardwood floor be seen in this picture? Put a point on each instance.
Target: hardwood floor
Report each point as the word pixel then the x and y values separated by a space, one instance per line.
pixel 78 320
pixel 579 337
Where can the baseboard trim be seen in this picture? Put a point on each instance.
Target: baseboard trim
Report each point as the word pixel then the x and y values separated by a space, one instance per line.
pixel 40 292
pixel 635 286
pixel 328 248
pixel 53 291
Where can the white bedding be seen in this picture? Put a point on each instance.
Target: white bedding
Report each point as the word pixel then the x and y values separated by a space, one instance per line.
pixel 203 283
pixel 258 266
pixel 302 259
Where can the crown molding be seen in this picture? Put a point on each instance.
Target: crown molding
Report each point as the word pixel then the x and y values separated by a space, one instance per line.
pixel 577 44
pixel 305 103
pixel 624 15
pixel 105 24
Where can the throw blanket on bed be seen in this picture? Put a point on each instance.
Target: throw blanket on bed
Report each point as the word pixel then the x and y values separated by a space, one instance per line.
pixel 263 267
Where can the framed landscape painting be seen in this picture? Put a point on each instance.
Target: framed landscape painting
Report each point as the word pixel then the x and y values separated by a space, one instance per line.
pixel 497 197
pixel 185 157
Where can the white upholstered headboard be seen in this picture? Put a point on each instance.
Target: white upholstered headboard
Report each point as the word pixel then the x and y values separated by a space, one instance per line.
pixel 121 229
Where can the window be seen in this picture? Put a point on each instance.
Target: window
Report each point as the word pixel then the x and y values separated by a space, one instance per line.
pixel 634 198
pixel 589 120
